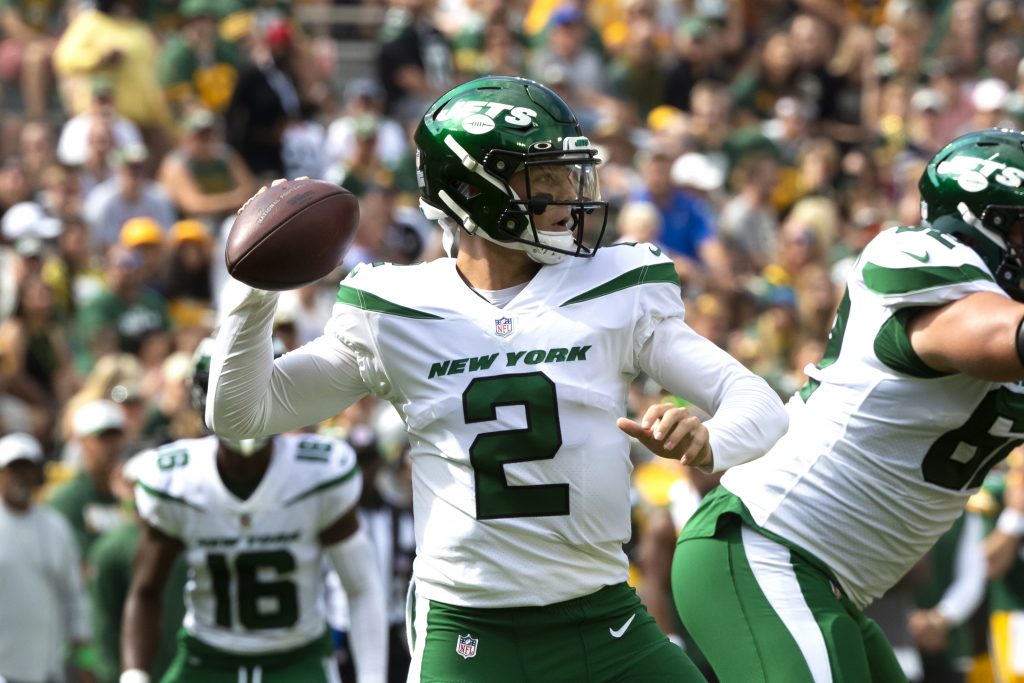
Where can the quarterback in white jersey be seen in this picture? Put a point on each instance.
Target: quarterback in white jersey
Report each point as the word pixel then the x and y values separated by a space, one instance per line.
pixel 255 520
pixel 510 366
pixel 917 396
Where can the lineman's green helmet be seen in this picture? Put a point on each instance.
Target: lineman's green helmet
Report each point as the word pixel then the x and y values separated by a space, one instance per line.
pixel 973 189
pixel 475 138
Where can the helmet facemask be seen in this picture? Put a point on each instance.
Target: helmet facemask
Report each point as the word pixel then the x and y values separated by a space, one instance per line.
pixel 1004 225
pixel 554 197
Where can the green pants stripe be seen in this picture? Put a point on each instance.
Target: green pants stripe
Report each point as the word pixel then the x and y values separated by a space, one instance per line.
pixel 605 637
pixel 762 613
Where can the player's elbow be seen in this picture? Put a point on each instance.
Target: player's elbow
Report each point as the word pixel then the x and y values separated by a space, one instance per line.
pixel 232 423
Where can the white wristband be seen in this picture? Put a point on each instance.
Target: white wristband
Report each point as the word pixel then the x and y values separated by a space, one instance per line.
pixel 1011 522
pixel 133 676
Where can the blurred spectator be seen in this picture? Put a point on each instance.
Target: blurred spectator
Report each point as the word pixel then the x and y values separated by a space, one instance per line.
pixel 187 276
pixel 309 309
pixel 637 74
pixel 37 153
pixel 769 77
pixel 988 97
pixel 28 219
pixel 61 192
pixel 361 168
pixel 144 236
pixel 113 375
pixel 95 168
pixel 14 186
pixel 952 590
pixel 639 222
pixel 125 312
pixel 45 609
pixel 170 415
pixel 266 98
pixel 29 27
pixel 688 228
pixel 696 59
pixel 34 347
pixel 128 194
pixel 111 40
pixel 362 97
pixel 415 62
pixel 204 177
pixel 110 562
pixel 86 501
pixel 813 42
pixel 567 57
pixel 72 147
pixel 748 221
pixel 197 67
pixel 496 50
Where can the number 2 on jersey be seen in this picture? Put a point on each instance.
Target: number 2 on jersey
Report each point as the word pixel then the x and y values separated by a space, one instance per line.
pixel 491 451
pixel 252 592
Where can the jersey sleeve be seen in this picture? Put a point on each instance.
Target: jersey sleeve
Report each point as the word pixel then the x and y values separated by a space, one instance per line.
pixel 916 266
pixel 252 394
pixel 159 490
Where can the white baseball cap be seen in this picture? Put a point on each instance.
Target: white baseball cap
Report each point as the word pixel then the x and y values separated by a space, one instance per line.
pixel 26 219
pixel 19 446
pixel 694 169
pixel 98 417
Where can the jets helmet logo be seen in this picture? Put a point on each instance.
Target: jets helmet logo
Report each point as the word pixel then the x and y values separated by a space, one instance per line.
pixel 974 174
pixel 479 117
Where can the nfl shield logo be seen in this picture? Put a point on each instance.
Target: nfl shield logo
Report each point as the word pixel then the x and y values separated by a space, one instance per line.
pixel 503 327
pixel 466 647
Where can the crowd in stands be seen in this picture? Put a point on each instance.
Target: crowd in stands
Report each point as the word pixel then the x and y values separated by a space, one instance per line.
pixel 759 143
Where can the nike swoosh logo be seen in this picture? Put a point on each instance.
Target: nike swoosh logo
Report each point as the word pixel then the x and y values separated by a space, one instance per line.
pixel 922 259
pixel 655 250
pixel 621 631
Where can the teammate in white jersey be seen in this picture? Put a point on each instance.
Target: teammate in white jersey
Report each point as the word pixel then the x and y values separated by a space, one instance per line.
pixel 255 519
pixel 510 364
pixel 917 396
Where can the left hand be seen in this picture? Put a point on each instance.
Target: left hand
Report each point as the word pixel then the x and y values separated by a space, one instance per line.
pixel 671 432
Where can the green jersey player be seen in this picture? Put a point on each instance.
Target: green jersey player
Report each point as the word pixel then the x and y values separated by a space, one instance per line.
pixel 509 364
pixel 917 396
pixel 255 520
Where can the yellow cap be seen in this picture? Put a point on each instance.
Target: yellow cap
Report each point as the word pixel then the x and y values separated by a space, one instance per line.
pixel 189 230
pixel 139 231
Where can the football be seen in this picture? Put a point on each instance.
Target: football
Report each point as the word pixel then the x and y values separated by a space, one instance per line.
pixel 291 234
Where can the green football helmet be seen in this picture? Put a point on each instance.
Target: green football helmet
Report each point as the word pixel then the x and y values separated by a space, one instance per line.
pixel 973 189
pixel 504 158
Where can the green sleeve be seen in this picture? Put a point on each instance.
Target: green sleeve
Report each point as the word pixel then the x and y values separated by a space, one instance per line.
pixel 108 590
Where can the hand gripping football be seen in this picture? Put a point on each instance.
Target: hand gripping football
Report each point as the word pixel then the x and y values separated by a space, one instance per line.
pixel 291 234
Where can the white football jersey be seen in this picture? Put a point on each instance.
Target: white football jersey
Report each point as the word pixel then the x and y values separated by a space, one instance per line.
pixel 492 395
pixel 883 452
pixel 255 575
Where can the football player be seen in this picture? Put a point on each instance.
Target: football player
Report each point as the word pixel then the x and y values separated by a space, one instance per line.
pixel 917 396
pixel 509 364
pixel 255 519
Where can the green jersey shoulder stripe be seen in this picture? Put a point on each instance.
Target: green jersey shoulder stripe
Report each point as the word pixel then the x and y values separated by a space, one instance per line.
pixel 157 493
pixel 661 272
pixel 325 485
pixel 372 302
pixel 884 280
